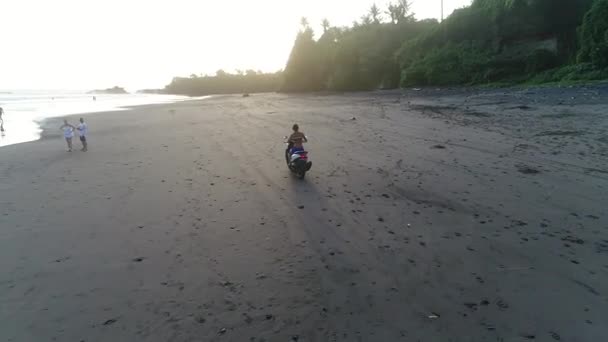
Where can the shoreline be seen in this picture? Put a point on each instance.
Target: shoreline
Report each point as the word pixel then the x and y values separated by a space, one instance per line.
pixel 30 129
pixel 47 125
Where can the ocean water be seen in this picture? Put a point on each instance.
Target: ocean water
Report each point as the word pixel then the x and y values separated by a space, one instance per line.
pixel 24 109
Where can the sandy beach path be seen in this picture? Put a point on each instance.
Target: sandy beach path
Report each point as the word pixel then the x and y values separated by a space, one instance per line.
pixel 464 216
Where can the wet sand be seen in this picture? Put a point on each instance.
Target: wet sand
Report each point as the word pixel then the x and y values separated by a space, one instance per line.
pixel 432 215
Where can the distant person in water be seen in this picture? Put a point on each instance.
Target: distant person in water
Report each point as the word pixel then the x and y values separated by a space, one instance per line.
pixel 68 133
pixel 83 131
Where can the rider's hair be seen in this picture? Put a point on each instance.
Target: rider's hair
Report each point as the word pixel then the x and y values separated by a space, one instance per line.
pixel 295 127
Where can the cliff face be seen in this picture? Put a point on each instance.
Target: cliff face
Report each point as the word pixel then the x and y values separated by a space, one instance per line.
pixel 114 90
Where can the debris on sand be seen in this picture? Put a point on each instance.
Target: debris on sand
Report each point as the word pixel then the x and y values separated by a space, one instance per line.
pixel 555 336
pixel 246 95
pixel 527 170
pixel 573 240
pixel 471 306
pixel 560 133
pixel 438 147
pixel 502 304
pixel 110 321
pixel 522 107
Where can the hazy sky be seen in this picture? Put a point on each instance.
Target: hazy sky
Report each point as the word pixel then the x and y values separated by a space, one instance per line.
pixel 83 44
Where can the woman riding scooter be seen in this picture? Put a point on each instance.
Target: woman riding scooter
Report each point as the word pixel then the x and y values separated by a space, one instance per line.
pixel 296 142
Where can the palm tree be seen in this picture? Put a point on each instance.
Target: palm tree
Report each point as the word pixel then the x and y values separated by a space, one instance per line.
pixel 395 11
pixel 374 12
pixel 325 24
pixel 406 6
pixel 400 11
pixel 366 20
pixel 304 23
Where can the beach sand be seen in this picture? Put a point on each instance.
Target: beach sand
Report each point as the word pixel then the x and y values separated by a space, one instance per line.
pixel 432 215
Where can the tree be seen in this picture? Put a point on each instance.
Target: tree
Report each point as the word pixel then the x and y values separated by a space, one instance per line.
pixel 406 7
pixel 366 20
pixel 303 70
pixel 394 11
pixel 594 35
pixel 400 11
pixel 490 40
pixel 326 25
pixel 374 13
pixel 227 84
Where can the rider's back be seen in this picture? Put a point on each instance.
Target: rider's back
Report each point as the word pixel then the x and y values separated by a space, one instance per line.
pixel 297 138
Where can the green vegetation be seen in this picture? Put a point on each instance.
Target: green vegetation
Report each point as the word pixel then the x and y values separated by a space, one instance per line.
pixel 491 41
pixel 225 83
pixel 594 36
pixel 113 90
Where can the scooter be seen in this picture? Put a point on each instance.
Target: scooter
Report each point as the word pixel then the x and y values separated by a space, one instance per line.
pixel 298 161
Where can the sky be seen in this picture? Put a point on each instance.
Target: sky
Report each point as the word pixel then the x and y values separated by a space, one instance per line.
pixel 93 44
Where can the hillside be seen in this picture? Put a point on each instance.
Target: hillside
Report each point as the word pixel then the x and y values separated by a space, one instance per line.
pixel 487 42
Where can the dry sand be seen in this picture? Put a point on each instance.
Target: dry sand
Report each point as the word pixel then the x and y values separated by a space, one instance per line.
pixel 453 215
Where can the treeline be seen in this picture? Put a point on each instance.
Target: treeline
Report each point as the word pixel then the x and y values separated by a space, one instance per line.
pixel 225 83
pixel 489 41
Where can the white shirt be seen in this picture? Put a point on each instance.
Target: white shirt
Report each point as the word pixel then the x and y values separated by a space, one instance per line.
pixel 83 129
pixel 68 132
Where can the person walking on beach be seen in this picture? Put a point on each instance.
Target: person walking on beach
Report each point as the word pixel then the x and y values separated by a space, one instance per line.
pixel 1 120
pixel 83 130
pixel 68 133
